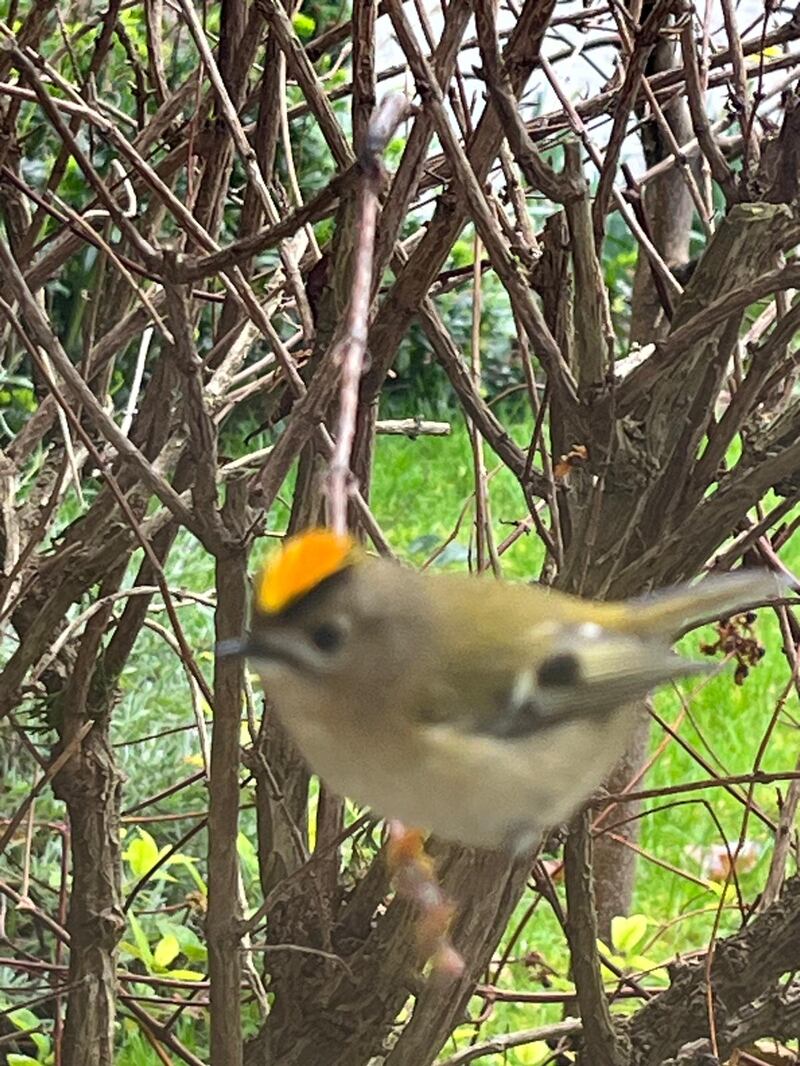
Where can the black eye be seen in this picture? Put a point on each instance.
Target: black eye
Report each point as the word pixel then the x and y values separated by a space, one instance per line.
pixel 327 636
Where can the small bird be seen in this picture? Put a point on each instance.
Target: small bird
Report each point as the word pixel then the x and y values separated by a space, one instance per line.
pixel 480 710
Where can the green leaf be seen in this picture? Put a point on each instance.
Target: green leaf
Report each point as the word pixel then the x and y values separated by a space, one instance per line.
pixel 463 253
pixel 185 975
pixel 22 1060
pixel 140 938
pixel 167 950
pixel 195 952
pixel 127 948
pixel 725 891
pixel 532 1054
pixel 191 866
pixel 42 1043
pixel 189 942
pixel 24 1019
pixel 655 971
pixel 247 853
pixel 142 853
pixel 394 149
pixel 628 933
pixel 609 956
pixel 304 25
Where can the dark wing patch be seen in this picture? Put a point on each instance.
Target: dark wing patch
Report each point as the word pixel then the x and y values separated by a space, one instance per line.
pixel 526 708
pixel 559 671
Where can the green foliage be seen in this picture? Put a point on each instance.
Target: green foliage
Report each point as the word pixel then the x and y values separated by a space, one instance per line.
pixel 17 402
pixel 29 1026
pixel 419 385
pixel 304 25
pixel 168 942
pixel 619 263
pixel 142 855
pixel 628 934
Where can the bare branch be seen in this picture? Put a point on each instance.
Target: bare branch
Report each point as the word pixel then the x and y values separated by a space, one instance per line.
pixel 353 345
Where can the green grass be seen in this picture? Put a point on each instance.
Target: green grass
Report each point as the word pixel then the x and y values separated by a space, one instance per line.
pixel 420 490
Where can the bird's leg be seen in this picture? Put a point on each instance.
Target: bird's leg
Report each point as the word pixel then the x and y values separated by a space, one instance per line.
pixel 415 879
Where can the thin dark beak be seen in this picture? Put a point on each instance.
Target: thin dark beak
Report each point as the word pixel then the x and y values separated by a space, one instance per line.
pixel 267 651
pixel 238 646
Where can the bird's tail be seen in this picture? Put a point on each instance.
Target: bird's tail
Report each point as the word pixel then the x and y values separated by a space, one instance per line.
pixel 673 612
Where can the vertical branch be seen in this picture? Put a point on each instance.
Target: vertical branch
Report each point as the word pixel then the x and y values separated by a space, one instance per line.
pixel 750 150
pixel 232 31
pixel 153 14
pixel 224 958
pixel 484 541
pixel 363 35
pixel 90 785
pixel 364 13
pixel 785 834
pixel 602 1046
pixel 718 165
pixel 666 202
pixel 353 347
pixel 594 334
pixel 637 60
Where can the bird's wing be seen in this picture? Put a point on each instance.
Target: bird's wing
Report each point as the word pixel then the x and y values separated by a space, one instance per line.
pixel 584 675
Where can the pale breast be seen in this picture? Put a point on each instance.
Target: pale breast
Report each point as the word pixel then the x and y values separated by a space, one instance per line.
pixel 476 790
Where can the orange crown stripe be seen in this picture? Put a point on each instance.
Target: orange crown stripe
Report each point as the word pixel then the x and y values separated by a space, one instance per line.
pixel 301 564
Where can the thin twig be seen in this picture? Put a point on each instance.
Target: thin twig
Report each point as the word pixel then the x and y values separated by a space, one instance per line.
pixel 353 346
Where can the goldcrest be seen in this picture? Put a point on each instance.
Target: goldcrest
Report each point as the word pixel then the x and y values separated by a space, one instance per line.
pixel 482 711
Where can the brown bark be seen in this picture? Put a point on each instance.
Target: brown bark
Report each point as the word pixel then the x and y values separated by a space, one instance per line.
pixel 745 970
pixel 603 1044
pixel 352 1020
pixel 224 911
pixel 667 205
pixel 614 864
pixel 91 787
